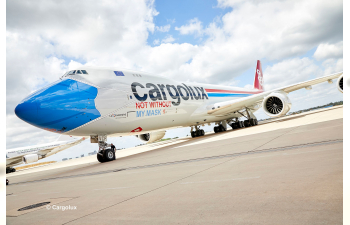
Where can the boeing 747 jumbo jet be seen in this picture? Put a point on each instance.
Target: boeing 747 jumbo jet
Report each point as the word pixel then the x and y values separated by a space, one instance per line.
pixel 34 153
pixel 101 102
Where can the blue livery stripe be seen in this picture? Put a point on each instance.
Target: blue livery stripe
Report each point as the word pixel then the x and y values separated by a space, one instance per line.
pixel 227 95
pixel 119 73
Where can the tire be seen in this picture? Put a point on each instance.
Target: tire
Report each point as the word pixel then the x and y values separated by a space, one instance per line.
pixel 13 170
pixel 109 155
pixel 7 182
pixel 256 121
pixel 234 126
pixel 246 123
pixel 100 158
pixel 202 133
pixel 252 122
pixel 222 128
pixel 198 133
pixel 193 134
pixel 216 129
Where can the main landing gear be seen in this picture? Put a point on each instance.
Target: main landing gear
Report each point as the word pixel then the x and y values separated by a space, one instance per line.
pixel 219 128
pixel 104 153
pixel 238 124
pixel 10 170
pixel 198 132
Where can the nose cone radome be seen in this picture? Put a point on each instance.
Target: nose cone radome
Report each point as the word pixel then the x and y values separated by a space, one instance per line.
pixel 27 110
pixel 60 107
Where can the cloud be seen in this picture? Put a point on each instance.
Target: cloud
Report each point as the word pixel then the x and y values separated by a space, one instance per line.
pixel 168 39
pixel 280 33
pixel 156 42
pixel 326 51
pixel 194 26
pixel 290 71
pixel 165 28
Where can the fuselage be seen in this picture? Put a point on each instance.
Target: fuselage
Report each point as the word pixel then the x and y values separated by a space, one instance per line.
pixel 108 101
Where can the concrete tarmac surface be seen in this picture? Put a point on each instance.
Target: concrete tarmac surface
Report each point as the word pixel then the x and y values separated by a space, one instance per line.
pixel 284 171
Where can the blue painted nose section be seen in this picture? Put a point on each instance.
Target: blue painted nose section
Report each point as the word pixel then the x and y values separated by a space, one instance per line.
pixel 60 107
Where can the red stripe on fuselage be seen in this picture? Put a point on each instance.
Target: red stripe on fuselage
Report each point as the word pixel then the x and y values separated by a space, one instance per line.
pixel 236 92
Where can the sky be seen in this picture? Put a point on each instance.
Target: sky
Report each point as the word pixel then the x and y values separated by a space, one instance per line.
pixel 216 42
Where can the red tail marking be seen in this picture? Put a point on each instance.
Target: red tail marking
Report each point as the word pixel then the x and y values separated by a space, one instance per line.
pixel 258 80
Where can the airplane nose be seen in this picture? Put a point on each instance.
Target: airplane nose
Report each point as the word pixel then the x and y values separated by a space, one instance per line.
pixel 60 107
pixel 27 110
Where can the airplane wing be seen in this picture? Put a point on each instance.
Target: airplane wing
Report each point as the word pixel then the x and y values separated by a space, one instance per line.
pixel 14 161
pixel 70 142
pixel 224 108
pixel 61 144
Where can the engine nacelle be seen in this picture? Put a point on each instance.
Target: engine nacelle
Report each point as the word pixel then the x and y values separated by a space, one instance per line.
pixel 151 137
pixel 276 104
pixel 340 83
pixel 31 158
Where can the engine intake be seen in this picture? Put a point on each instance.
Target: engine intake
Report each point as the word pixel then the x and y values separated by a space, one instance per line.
pixel 31 158
pixel 340 83
pixel 151 137
pixel 276 104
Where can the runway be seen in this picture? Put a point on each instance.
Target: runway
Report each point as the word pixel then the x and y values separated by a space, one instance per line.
pixel 284 171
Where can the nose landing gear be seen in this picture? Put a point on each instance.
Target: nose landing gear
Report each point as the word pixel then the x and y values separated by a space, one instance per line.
pixel 104 153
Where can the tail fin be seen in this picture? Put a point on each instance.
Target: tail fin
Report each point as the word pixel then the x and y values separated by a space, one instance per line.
pixel 258 80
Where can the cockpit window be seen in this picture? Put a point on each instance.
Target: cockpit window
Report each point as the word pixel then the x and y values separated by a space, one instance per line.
pixel 84 71
pixel 78 72
pixel 71 72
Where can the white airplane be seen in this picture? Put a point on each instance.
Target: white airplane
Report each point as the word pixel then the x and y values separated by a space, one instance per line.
pixel 34 153
pixel 101 102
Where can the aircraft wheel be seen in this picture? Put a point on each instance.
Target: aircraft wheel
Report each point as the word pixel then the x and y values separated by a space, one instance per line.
pixel 234 125
pixel 242 123
pixel 13 170
pixel 246 123
pixel 100 158
pixel 252 122
pixel 256 121
pixel 222 128
pixel 216 129
pixel 202 132
pixel 7 182
pixel 109 155
pixel 193 134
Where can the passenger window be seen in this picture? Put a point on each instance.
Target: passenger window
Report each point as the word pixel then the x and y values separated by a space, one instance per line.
pixel 84 71
pixel 78 72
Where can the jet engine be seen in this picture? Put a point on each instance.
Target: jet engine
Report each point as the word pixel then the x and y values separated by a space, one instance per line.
pixel 340 83
pixel 151 137
pixel 276 104
pixel 31 158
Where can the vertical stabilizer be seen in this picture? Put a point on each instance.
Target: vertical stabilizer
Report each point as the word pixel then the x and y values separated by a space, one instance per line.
pixel 258 80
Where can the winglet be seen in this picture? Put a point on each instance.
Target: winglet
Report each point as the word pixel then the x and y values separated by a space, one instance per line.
pixel 258 80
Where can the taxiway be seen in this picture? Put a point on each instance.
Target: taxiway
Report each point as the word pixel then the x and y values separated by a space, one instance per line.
pixel 284 171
